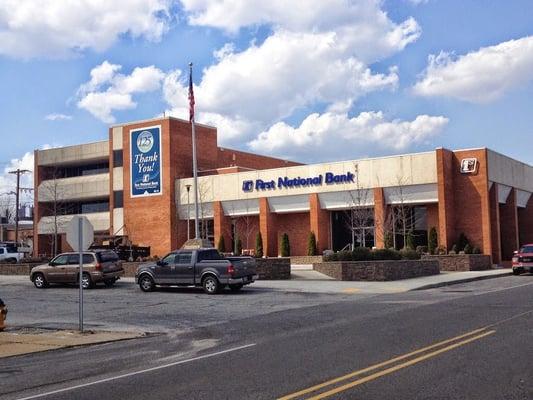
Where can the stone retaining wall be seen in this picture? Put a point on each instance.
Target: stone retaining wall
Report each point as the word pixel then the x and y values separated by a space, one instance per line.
pixel 306 259
pixel 275 268
pixel 377 270
pixel 16 269
pixel 461 262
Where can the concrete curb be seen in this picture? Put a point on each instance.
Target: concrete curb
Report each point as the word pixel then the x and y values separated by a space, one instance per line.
pixel 463 280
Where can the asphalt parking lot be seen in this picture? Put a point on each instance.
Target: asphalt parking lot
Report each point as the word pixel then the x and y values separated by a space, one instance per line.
pixel 124 307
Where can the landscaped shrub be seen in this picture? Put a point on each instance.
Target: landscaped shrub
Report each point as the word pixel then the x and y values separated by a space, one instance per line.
pixel 388 241
pixel 422 249
pixel 386 254
pixel 476 250
pixel 468 249
pixel 344 255
pixel 408 254
pixel 432 240
pixel 221 246
pixel 454 249
pixel 361 254
pixel 461 242
pixel 239 247
pixel 331 257
pixel 311 244
pixel 441 250
pixel 285 247
pixel 259 245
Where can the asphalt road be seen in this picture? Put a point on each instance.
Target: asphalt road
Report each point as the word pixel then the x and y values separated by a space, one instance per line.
pixel 470 341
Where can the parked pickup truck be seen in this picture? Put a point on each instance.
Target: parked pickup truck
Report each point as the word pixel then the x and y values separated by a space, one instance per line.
pixel 200 267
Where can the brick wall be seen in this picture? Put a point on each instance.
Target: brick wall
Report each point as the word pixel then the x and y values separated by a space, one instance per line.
pixel 377 270
pixel 230 158
pixel 297 227
pixel 319 223
pixel 495 224
pixel 509 226
pixel 277 268
pixel 525 223
pixel 461 262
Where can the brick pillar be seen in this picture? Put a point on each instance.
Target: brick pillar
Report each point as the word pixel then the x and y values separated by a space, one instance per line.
pixel 509 226
pixel 319 223
pixel 267 227
pixel 222 225
pixel 446 197
pixel 380 217
pixel 495 224
pixel 525 223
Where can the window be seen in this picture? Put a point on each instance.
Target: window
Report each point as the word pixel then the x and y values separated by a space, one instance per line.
pixel 61 260
pixel 74 259
pixel 118 198
pixel 526 249
pixel 170 259
pixel 108 256
pixel 1 251
pixel 117 158
pixel 184 258
pixel 208 255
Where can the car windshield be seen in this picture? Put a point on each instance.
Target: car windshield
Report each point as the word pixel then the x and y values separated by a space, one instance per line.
pixel 108 256
pixel 526 249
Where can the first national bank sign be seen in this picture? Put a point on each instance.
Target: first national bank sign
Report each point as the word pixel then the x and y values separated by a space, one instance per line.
pixel 145 161
pixel 285 182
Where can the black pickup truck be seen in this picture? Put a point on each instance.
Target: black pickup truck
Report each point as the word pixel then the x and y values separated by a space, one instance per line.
pixel 201 268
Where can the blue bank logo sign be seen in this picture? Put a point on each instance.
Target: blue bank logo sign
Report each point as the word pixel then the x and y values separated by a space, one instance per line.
pixel 145 161
pixel 285 182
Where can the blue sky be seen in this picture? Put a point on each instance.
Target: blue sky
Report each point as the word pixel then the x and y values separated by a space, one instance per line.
pixel 324 80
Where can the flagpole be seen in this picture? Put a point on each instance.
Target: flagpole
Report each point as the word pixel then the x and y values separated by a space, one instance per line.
pixel 194 164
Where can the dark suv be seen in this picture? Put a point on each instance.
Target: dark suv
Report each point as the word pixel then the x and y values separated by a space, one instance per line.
pixel 98 266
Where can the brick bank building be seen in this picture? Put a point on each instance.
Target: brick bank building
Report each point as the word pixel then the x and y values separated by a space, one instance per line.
pixel 138 185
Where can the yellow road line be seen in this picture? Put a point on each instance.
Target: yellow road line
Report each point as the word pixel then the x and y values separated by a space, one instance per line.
pixel 397 367
pixel 351 290
pixel 376 366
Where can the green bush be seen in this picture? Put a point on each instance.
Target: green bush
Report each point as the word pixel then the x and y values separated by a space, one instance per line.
pixel 386 254
pixel 388 240
pixel 311 244
pixel 432 240
pixel 476 250
pixel 408 254
pixel 331 257
pixel 221 245
pixel 344 255
pixel 285 247
pixel 462 242
pixel 259 245
pixel 239 247
pixel 468 249
pixel 422 249
pixel 410 241
pixel 455 249
pixel 361 254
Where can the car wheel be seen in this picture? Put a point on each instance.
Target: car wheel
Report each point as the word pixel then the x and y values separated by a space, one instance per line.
pixel 516 271
pixel 146 283
pixel 109 282
pixel 235 288
pixel 39 281
pixel 86 281
pixel 211 285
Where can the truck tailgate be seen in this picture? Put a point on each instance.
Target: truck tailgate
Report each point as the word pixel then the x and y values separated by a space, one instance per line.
pixel 244 266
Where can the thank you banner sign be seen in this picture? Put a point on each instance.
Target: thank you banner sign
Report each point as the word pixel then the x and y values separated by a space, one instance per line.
pixel 145 161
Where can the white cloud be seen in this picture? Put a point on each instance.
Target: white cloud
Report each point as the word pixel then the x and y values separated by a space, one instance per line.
pixel 317 54
pixel 52 28
pixel 109 90
pixel 58 117
pixel 480 76
pixel 336 135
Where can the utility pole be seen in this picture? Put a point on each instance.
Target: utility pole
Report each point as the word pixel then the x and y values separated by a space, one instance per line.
pixel 18 172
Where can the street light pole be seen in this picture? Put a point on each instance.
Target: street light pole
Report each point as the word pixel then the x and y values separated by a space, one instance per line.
pixel 17 172
pixel 188 187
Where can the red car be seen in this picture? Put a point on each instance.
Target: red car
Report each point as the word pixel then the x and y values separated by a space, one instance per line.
pixel 523 260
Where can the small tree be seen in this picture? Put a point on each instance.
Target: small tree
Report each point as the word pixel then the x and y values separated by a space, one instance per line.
pixel 432 240
pixel 221 246
pixel 462 242
pixel 259 245
pixel 285 246
pixel 409 241
pixel 311 244
pixel 388 240
pixel 239 247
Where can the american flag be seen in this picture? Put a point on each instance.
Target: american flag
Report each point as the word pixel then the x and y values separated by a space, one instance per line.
pixel 191 96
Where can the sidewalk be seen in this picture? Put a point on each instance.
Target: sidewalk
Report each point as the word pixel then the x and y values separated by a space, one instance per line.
pixel 23 341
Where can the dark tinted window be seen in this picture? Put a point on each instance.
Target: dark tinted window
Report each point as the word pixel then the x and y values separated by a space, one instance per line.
pixel 118 198
pixel 75 259
pixel 169 259
pixel 107 256
pixel 184 258
pixel 209 255
pixel 117 158
pixel 61 259
pixel 1 251
pixel 526 249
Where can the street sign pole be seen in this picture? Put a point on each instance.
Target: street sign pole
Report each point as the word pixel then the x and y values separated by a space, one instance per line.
pixel 80 249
